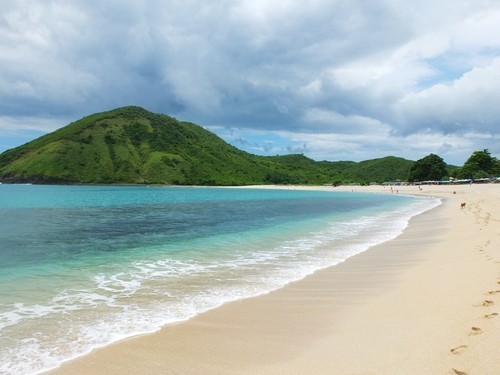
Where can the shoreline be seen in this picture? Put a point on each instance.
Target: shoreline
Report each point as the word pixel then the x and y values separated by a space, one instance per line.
pixel 382 311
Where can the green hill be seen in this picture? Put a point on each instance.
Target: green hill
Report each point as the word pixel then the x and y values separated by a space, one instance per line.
pixel 131 145
pixel 383 169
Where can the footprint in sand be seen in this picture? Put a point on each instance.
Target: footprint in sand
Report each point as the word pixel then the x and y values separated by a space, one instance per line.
pixel 492 315
pixel 494 291
pixel 458 372
pixel 475 331
pixel 458 349
pixel 485 303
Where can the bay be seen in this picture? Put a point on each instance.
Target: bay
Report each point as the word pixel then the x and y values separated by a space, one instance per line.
pixel 84 266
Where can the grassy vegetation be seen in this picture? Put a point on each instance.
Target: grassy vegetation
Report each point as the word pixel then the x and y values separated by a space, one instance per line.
pixel 132 145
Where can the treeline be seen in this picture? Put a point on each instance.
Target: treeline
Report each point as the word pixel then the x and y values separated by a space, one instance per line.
pixel 432 168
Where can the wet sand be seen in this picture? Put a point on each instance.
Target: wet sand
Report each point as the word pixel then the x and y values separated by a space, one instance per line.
pixel 424 303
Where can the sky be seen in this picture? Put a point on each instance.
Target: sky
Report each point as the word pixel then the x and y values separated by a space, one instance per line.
pixel 332 79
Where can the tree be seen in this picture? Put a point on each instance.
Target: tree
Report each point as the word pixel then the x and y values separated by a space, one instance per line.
pixel 481 160
pixel 480 164
pixel 430 168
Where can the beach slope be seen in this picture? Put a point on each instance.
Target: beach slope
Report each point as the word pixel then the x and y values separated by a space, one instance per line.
pixel 424 303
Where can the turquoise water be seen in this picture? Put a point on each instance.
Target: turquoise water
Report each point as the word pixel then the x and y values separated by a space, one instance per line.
pixel 83 266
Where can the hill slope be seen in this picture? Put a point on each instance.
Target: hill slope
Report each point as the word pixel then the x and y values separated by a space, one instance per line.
pixel 132 145
pixel 383 169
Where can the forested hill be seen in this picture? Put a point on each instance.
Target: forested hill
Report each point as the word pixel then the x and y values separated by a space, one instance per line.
pixel 130 145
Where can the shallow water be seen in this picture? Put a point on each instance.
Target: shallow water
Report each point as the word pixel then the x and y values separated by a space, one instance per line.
pixel 83 266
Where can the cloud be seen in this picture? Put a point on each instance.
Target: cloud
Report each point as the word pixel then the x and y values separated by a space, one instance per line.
pixel 338 123
pixel 454 149
pixel 468 103
pixel 10 125
pixel 387 70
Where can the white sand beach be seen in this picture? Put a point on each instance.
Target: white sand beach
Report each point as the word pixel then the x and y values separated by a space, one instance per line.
pixel 424 303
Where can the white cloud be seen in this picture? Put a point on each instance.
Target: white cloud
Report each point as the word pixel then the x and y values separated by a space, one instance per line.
pixel 338 123
pixel 468 103
pixel 390 70
pixel 11 125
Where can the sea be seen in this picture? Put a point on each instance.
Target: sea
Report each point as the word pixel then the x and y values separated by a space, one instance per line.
pixel 84 266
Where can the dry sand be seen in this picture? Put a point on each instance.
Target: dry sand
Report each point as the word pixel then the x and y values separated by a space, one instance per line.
pixel 424 303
